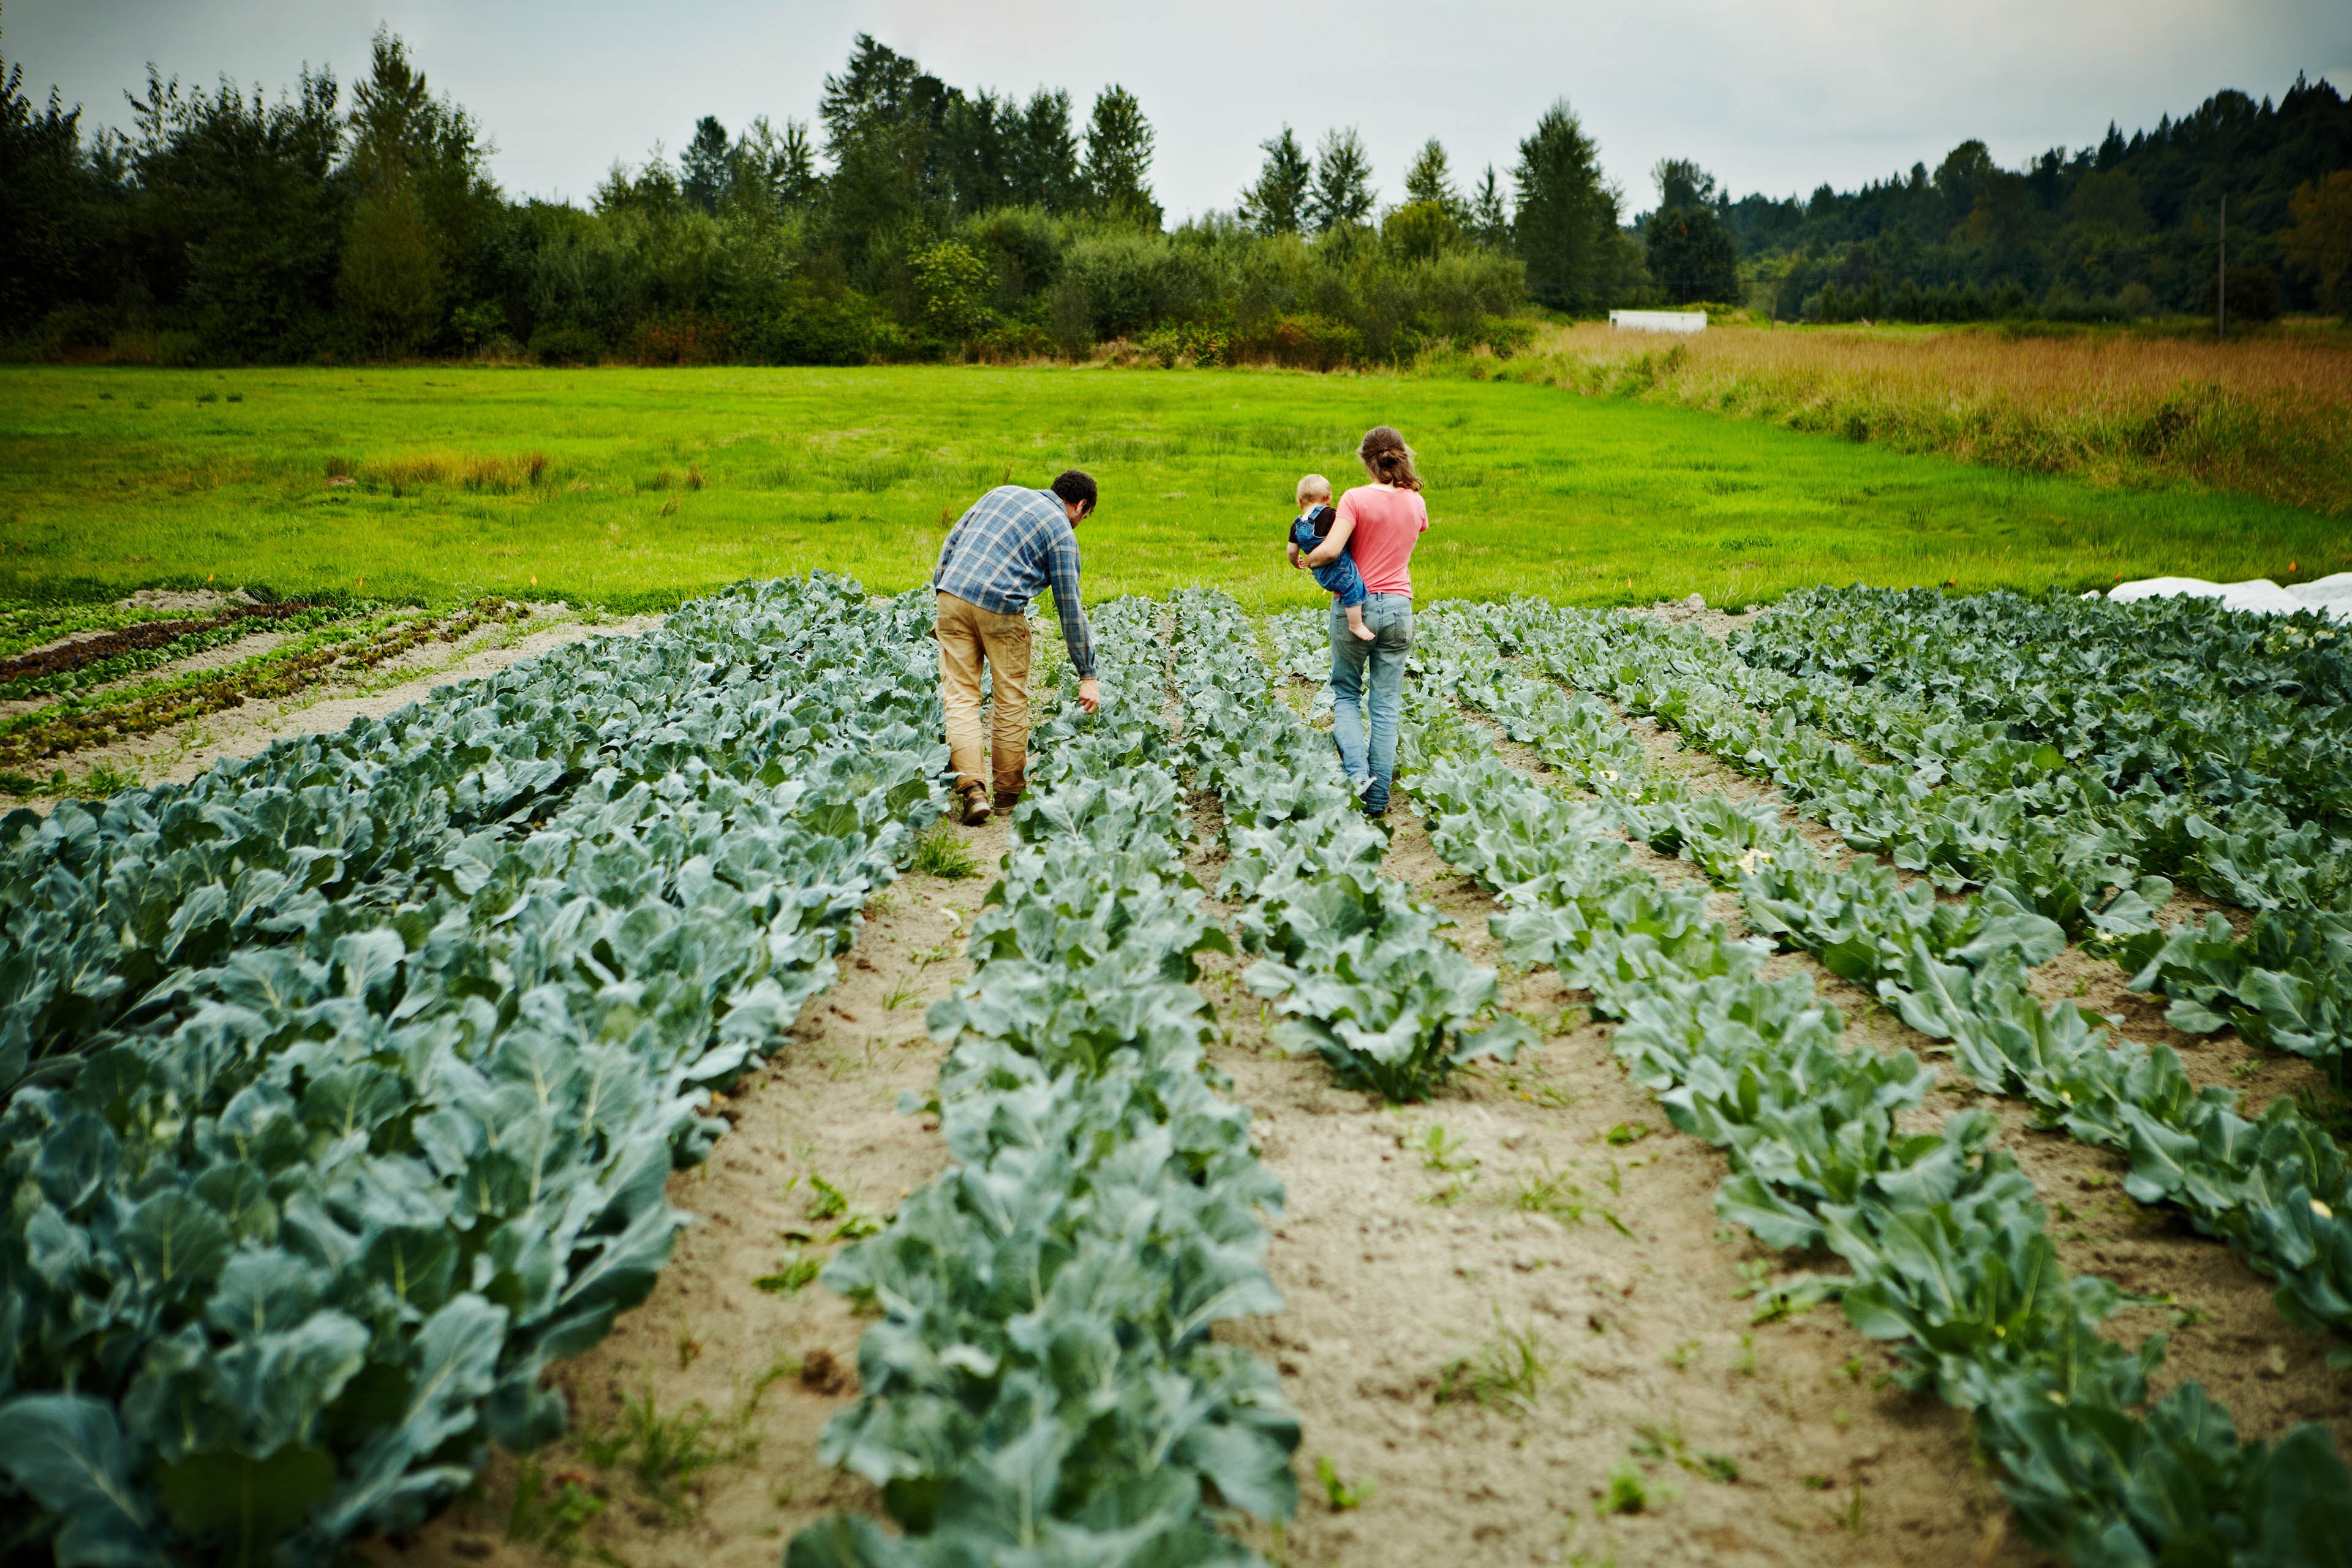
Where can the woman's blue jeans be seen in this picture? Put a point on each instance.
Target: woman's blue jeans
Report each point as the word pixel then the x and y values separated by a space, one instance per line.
pixel 1373 670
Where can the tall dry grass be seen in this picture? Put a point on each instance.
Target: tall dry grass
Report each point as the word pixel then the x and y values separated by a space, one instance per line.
pixel 494 473
pixel 2269 417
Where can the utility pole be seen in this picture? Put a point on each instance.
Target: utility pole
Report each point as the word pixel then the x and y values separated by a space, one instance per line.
pixel 2221 280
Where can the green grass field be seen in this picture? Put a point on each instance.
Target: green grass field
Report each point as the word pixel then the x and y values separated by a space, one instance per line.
pixel 662 484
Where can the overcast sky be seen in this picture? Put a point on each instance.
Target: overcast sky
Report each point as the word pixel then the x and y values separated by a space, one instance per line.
pixel 1777 98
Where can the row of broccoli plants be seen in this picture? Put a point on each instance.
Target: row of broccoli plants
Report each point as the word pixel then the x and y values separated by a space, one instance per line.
pixel 2059 788
pixel 102 902
pixel 2219 743
pixel 1040 1387
pixel 2276 1187
pixel 1353 963
pixel 332 649
pixel 299 1236
pixel 1945 1244
pixel 2212 707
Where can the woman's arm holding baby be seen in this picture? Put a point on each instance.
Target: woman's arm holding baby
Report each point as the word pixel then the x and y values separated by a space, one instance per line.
pixel 1333 543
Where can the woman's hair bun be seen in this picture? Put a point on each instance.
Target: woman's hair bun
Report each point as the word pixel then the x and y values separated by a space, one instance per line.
pixel 1387 459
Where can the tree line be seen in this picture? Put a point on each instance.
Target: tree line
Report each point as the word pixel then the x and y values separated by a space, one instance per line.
pixel 2130 228
pixel 914 219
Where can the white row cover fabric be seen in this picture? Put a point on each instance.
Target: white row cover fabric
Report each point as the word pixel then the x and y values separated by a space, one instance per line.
pixel 2332 596
pixel 1659 320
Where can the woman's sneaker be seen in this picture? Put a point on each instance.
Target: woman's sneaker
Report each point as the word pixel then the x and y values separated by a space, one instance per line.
pixel 976 808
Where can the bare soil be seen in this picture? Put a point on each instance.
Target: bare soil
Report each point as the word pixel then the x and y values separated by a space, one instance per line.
pixel 740 1380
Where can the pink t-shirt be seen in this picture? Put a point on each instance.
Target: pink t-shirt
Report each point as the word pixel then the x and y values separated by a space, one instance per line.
pixel 1387 524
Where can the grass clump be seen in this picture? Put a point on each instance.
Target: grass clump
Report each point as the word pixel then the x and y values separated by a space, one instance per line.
pixel 1509 1372
pixel 939 852
pixel 665 1453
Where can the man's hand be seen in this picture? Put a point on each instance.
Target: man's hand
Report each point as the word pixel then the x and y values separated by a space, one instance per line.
pixel 1090 695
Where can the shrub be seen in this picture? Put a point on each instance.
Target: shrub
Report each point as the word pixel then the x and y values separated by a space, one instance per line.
pixel 561 343
pixel 2252 294
pixel 1304 342
pixel 683 339
pixel 810 331
pixel 951 283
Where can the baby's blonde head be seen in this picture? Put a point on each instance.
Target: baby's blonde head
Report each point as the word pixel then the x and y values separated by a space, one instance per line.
pixel 1314 487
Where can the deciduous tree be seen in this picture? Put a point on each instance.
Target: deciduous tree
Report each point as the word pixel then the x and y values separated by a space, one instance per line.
pixel 2321 240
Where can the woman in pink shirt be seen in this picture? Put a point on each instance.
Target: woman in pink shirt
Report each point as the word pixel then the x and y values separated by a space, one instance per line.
pixel 1380 523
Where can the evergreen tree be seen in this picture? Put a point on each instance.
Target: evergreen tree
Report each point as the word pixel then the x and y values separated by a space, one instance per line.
pixel 1566 226
pixel 239 212
pixel 1042 156
pixel 1118 159
pixel 776 171
pixel 46 195
pixel 704 164
pixel 422 207
pixel 1691 256
pixel 2319 245
pixel 881 87
pixel 1429 180
pixel 1490 223
pixel 974 155
pixel 1277 202
pixel 794 167
pixel 1682 184
pixel 882 122
pixel 1343 190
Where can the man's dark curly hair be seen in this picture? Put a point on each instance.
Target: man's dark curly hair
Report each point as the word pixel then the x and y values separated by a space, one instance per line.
pixel 1076 486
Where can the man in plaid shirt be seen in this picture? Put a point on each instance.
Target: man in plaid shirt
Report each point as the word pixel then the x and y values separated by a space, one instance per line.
pixel 1013 542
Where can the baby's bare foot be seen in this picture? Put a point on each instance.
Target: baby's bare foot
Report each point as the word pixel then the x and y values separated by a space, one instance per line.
pixel 1366 633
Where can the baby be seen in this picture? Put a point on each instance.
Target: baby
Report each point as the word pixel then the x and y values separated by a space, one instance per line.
pixel 1312 527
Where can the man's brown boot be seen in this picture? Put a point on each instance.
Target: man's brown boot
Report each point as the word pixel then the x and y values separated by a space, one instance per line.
pixel 975 805
pixel 1006 799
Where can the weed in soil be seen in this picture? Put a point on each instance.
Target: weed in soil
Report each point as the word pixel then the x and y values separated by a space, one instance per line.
pixel 940 852
pixel 1509 1372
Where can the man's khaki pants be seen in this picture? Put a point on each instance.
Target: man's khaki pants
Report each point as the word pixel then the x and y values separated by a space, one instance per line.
pixel 967 636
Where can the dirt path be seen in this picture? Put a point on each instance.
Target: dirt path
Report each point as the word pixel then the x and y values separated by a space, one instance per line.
pixel 1430 1250
pixel 696 1423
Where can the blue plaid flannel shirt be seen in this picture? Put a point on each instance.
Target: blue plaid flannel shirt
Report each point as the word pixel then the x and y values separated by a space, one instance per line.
pixel 1012 543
